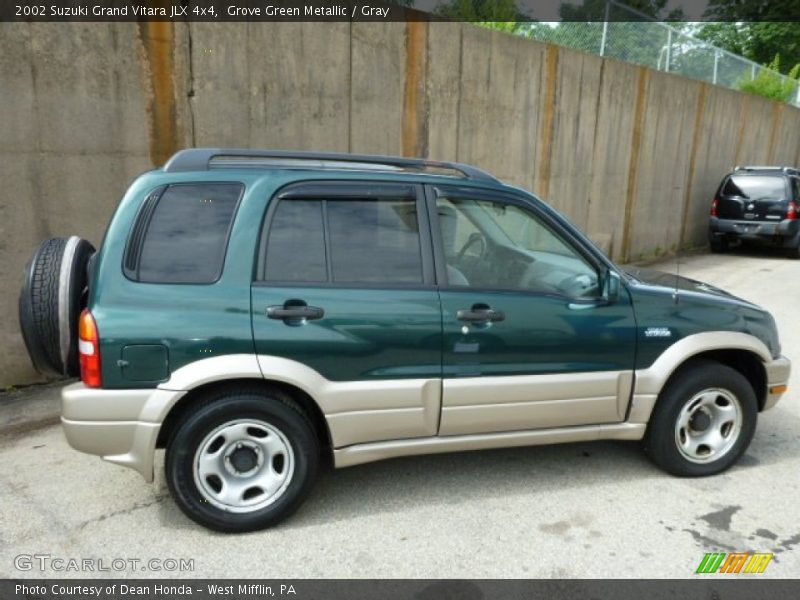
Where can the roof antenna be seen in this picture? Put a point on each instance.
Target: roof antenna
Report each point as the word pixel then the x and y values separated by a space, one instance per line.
pixel 678 254
pixel 677 271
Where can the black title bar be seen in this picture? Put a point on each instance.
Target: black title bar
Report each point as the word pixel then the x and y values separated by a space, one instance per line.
pixel 700 587
pixel 386 10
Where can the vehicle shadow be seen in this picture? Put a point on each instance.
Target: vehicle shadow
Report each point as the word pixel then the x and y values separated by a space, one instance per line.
pixel 753 250
pixel 451 479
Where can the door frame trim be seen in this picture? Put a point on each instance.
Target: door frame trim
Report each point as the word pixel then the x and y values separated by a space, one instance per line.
pixel 313 189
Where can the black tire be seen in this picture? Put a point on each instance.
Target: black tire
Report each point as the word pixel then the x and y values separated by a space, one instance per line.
pixel 719 245
pixel 661 443
pixel 270 406
pixel 52 297
pixel 793 253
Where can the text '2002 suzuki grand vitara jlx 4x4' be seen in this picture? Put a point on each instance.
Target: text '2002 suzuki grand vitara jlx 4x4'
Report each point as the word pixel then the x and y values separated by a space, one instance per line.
pixel 249 310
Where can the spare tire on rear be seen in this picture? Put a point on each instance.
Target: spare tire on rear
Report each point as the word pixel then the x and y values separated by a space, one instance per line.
pixel 53 294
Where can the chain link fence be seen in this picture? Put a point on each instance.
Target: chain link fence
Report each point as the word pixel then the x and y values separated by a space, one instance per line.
pixel 629 35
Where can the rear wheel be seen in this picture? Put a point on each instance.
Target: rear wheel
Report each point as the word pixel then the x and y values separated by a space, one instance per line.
pixel 719 244
pixel 243 461
pixel 703 421
pixel 53 294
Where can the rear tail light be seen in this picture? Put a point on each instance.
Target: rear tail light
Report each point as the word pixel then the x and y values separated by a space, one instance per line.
pixel 89 351
pixel 714 204
pixel 791 212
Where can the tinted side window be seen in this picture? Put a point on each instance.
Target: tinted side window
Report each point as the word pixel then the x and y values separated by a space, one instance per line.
pixel 374 241
pixel 348 241
pixel 187 235
pixel 296 243
pixel 489 244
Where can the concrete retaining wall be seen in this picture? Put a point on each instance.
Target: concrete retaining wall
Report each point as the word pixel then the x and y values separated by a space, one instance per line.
pixel 631 155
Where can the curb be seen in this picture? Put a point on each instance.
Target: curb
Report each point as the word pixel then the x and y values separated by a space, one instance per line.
pixel 30 408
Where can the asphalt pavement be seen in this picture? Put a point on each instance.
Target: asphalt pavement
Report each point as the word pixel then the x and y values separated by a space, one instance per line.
pixel 577 510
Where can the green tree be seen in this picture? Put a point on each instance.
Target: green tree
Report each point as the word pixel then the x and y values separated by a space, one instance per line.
pixel 493 14
pixel 504 11
pixel 755 29
pixel 727 35
pixel 595 10
pixel 634 36
pixel 768 84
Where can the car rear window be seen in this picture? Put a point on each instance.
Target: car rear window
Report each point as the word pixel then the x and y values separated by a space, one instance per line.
pixel 755 186
pixel 187 234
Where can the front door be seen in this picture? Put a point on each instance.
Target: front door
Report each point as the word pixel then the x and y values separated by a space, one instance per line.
pixel 344 306
pixel 529 341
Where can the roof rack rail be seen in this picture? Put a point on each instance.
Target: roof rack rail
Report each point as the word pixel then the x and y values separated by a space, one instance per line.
pixel 790 170
pixel 200 159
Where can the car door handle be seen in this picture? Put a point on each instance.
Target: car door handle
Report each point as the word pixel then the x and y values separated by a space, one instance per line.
pixel 479 314
pixel 294 311
pixel 586 304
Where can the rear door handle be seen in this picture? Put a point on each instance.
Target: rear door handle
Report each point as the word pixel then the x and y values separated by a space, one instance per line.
pixel 295 312
pixel 480 314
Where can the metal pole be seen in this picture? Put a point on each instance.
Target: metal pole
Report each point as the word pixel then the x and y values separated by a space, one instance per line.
pixel 669 49
pixel 716 66
pixel 605 30
pixel 752 71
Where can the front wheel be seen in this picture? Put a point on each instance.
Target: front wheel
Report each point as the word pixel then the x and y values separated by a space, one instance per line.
pixel 703 421
pixel 244 460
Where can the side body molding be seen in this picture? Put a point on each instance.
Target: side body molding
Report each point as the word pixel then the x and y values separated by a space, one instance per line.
pixel 651 380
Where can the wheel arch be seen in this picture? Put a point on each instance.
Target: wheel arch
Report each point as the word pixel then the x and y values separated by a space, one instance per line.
pixel 194 398
pixel 741 351
pixel 746 362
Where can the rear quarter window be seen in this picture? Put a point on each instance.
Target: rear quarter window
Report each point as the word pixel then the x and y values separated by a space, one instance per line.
pixel 185 234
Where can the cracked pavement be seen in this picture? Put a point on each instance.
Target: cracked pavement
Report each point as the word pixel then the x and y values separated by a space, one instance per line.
pixel 577 510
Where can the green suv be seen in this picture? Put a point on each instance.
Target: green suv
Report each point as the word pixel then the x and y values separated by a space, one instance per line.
pixel 250 311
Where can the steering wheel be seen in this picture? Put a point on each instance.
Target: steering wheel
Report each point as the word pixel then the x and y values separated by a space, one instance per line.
pixel 474 238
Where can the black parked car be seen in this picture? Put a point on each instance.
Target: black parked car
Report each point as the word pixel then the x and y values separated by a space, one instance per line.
pixel 757 204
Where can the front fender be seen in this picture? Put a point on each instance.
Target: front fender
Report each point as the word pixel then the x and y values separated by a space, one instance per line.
pixel 650 381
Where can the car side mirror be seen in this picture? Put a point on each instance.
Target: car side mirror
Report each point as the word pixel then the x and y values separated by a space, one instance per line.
pixel 611 286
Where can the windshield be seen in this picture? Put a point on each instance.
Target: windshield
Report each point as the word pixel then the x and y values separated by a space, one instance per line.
pixel 755 186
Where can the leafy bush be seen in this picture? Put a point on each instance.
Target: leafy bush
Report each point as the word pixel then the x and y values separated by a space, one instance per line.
pixel 770 84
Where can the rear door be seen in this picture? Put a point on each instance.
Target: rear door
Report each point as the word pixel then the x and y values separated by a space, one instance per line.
pixel 345 291
pixel 753 197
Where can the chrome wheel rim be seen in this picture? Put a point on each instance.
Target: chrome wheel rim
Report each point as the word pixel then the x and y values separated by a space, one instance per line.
pixel 708 425
pixel 243 465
